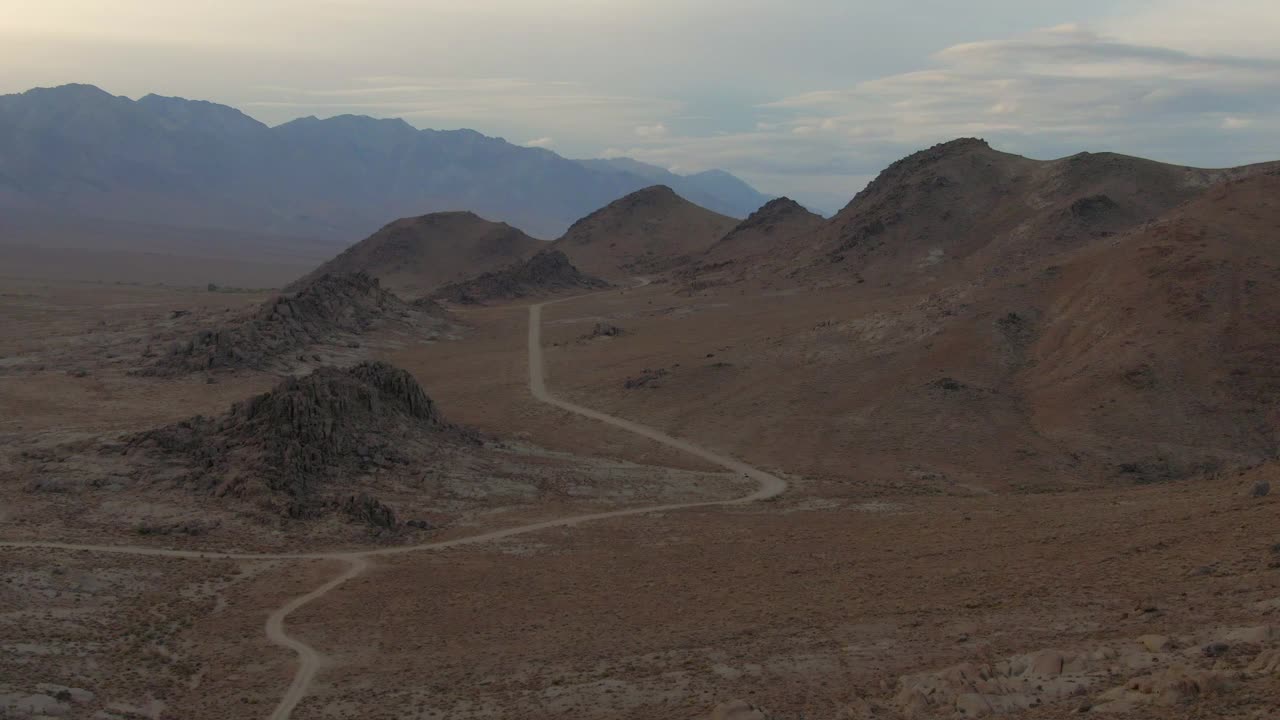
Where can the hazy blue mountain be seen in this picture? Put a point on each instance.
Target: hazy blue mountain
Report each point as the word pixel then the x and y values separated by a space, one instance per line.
pixel 714 189
pixel 79 152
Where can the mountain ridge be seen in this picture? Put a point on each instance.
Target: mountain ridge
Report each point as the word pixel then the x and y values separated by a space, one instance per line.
pixel 169 161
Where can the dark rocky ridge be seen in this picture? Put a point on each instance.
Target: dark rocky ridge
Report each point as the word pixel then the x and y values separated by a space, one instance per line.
pixel 321 311
pixel 773 212
pixel 776 222
pixel 301 448
pixel 962 209
pixel 901 170
pixel 546 272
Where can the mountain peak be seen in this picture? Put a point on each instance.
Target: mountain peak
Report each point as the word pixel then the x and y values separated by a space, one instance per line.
pixel 415 255
pixel 937 153
pixel 348 123
pixel 652 195
pixel 71 90
pixel 70 96
pixel 921 164
pixel 768 229
pixel 202 114
pixel 778 210
pixel 779 206
pixel 444 216
pixel 648 231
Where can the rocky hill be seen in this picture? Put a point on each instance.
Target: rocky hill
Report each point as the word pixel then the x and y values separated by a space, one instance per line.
pixel 414 256
pixel 1162 344
pixel 546 272
pixel 648 231
pixel 328 309
pixel 302 448
pixel 715 190
pixel 1093 320
pixel 779 229
pixel 766 229
pixel 963 209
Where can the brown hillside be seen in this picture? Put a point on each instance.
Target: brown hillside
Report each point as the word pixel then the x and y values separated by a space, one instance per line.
pixel 648 231
pixel 546 272
pixel 1137 357
pixel 768 228
pixel 963 209
pixel 414 256
pixel 1167 341
pixel 779 228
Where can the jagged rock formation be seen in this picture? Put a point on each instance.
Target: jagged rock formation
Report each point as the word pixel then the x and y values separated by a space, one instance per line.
pixel 546 272
pixel 648 231
pixel 414 256
pixel 301 448
pixel 321 311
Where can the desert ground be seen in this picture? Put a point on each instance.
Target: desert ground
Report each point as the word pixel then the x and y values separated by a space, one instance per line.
pixel 912 562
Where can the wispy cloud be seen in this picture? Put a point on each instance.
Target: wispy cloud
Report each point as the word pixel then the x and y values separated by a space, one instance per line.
pixel 1055 87
pixel 541 109
pixel 656 130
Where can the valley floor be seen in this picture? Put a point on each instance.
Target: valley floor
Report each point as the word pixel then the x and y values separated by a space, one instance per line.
pixel 878 585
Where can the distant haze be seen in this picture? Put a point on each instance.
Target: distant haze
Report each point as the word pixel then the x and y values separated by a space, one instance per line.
pixel 81 167
pixel 806 98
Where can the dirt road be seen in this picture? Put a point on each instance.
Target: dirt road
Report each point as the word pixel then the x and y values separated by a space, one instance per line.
pixel 309 660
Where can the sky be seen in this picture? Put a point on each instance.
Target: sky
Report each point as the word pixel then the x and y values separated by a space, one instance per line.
pixel 808 98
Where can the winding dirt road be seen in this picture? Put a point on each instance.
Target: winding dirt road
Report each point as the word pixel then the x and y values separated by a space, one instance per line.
pixel 309 659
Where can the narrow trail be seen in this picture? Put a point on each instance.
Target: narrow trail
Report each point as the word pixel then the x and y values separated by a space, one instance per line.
pixel 356 562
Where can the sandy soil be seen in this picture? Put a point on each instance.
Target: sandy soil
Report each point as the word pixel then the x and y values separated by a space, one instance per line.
pixel 878 586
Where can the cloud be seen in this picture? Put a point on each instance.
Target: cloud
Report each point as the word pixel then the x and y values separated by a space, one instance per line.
pixel 808 94
pixel 656 130
pixel 1241 27
pixel 509 106
pixel 1044 93
pixel 542 142
pixel 1058 87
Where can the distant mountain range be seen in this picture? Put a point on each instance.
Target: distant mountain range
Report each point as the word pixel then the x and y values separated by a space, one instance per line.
pixel 75 158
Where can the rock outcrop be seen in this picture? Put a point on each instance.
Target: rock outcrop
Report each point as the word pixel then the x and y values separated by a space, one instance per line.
pixel 301 448
pixel 546 272
pixel 331 307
